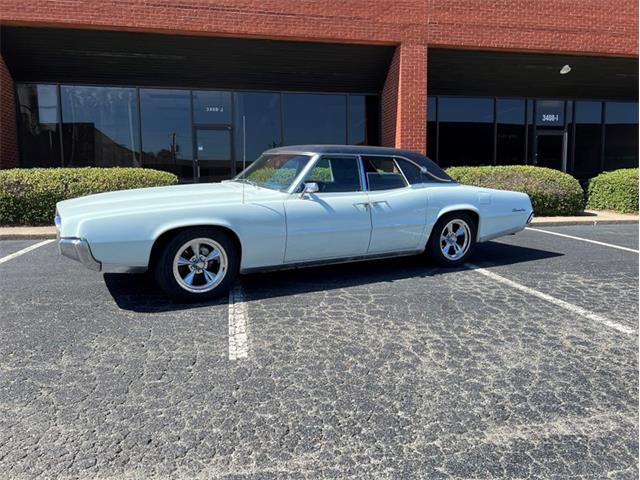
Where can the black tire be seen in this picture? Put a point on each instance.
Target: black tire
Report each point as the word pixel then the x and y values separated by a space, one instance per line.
pixel 435 246
pixel 200 291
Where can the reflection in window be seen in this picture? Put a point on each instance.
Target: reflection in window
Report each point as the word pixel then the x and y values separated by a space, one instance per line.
pixel 510 133
pixel 211 107
pixel 466 131
pixel 99 126
pixel 621 135
pixel 166 131
pixel 261 112
pixel 314 119
pixel 432 129
pixel 213 151
pixel 588 138
pixel 38 125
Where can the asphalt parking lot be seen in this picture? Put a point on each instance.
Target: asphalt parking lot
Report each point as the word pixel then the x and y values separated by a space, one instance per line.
pixel 524 364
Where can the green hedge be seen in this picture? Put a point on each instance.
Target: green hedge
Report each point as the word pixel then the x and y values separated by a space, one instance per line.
pixel 28 196
pixel 552 192
pixel 617 190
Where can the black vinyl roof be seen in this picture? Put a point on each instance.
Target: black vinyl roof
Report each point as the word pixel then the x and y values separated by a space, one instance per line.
pixel 437 174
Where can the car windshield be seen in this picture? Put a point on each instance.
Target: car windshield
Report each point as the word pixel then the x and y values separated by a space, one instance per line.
pixel 274 171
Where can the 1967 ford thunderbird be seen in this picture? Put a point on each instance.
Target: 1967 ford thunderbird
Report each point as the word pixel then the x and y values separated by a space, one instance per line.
pixel 293 206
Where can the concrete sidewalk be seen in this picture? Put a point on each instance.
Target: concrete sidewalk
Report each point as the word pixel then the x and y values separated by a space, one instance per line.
pixel 589 217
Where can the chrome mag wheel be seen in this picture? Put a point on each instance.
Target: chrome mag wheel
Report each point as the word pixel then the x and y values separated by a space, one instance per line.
pixel 200 265
pixel 455 239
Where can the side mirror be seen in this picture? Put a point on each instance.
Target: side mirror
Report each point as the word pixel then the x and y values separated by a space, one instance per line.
pixel 309 187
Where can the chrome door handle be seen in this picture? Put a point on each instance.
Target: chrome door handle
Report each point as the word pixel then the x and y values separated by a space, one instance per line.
pixel 380 202
pixel 362 204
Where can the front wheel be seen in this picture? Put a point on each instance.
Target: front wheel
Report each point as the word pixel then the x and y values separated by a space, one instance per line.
pixel 197 264
pixel 452 239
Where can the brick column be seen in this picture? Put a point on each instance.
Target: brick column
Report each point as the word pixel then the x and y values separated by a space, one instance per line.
pixel 404 99
pixel 8 130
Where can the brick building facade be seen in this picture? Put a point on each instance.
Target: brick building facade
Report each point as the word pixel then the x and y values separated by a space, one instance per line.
pixel 600 31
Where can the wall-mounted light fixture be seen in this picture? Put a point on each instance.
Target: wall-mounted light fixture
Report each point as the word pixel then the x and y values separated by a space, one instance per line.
pixel 564 70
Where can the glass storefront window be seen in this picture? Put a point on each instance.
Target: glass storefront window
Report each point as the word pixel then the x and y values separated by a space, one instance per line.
pixel 314 118
pixel 550 113
pixel 213 108
pixel 99 126
pixel 432 127
pixel 167 141
pixel 262 117
pixel 588 139
pixel 621 135
pixel 38 125
pixel 466 131
pixel 510 119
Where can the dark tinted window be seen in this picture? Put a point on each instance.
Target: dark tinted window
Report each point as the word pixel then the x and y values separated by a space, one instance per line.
pixel 510 119
pixel 166 131
pixel 432 131
pixel 411 171
pixel 211 107
pixel 621 135
pixel 261 112
pixel 588 139
pixel 382 173
pixel 550 113
pixel 38 125
pixel 100 126
pixel 466 131
pixel 336 174
pixel 314 119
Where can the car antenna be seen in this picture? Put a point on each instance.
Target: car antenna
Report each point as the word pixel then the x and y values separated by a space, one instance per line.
pixel 244 155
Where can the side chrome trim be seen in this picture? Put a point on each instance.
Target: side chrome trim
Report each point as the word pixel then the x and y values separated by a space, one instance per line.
pixel 78 249
pixel 332 261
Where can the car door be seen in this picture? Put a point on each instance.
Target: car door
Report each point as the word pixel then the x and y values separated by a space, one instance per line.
pixel 333 222
pixel 398 210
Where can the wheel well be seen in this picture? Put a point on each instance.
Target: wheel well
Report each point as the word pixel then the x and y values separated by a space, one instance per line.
pixel 474 216
pixel 162 240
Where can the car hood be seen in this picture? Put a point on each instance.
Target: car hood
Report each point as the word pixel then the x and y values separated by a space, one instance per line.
pixel 175 196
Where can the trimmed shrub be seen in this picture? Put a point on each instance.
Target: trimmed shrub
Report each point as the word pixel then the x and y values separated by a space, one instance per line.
pixel 28 196
pixel 552 192
pixel 617 190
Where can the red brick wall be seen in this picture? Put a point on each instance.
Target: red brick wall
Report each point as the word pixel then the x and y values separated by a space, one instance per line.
pixel 404 99
pixel 8 134
pixel 586 26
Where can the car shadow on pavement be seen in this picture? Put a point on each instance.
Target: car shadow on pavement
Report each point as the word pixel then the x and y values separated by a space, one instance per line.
pixel 306 280
pixel 139 293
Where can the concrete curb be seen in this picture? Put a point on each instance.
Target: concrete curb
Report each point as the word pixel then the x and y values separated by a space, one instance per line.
pixel 27 233
pixel 589 222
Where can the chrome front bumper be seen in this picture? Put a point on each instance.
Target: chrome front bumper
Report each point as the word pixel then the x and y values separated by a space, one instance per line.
pixel 78 249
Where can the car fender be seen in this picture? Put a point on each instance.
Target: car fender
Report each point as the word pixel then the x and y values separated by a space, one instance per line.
pixel 457 207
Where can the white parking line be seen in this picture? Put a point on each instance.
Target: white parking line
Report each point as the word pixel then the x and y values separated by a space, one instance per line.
pixel 555 301
pixel 238 315
pixel 24 250
pixel 584 240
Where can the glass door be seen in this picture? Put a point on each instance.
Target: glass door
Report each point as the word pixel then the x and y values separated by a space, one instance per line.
pixel 551 149
pixel 213 154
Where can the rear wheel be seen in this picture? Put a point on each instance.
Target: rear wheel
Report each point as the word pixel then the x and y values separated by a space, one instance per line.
pixel 452 239
pixel 197 264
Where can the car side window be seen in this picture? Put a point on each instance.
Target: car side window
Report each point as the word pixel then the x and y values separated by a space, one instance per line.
pixel 411 171
pixel 336 174
pixel 383 173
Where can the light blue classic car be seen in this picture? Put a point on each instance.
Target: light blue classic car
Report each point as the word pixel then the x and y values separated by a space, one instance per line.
pixel 293 206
